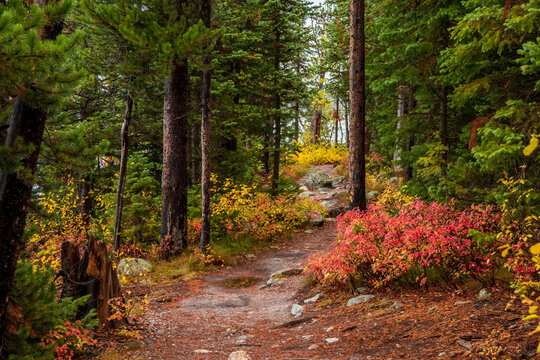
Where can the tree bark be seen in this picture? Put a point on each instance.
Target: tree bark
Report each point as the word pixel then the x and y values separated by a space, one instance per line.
pixel 124 139
pixel 357 160
pixel 85 203
pixel 277 118
pixel 28 123
pixel 174 182
pixel 337 120
pixel 206 12
pixel 345 105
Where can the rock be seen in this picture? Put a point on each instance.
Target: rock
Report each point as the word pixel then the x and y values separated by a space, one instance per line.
pixel 315 218
pixel 274 281
pixel 457 303
pixel 396 305
pixel 371 195
pixel 323 190
pixel 359 299
pixel 309 231
pixel 433 308
pixel 318 180
pixel 463 343
pixel 313 347
pixel 306 194
pixel 250 256
pixel 483 294
pixel 241 339
pixel 337 180
pixel 297 310
pixel 361 290
pixel 329 329
pixel 393 180
pixel 379 177
pixel 331 340
pixel 312 299
pixel 307 337
pixel 202 351
pixel 328 203
pixel 134 266
pixel 304 188
pixel 239 355
pixel 442 354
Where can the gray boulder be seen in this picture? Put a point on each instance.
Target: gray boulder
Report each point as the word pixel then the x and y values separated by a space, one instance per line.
pixel 318 180
pixel 337 180
pixel 360 299
pixel 133 266
pixel 297 310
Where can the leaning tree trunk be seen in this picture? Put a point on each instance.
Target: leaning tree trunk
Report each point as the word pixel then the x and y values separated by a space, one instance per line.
pixel 357 160
pixel 206 11
pixel 174 181
pixel 93 275
pixel 124 138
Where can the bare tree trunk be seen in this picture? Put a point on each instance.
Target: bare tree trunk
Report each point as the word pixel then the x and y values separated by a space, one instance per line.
pixel 277 119
pixel 345 105
pixel 337 120
pixel 174 182
pixel 206 11
pixel 400 115
pixel 195 152
pixel 124 139
pixel 357 160
pixel 85 203
pixel 411 105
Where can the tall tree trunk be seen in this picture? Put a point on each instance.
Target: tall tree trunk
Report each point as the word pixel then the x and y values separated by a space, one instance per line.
pixel 174 182
pixel 443 130
pixel 28 123
pixel 357 83
pixel 277 118
pixel 297 111
pixel 337 120
pixel 85 203
pixel 124 139
pixel 317 115
pixel 195 152
pixel 400 115
pixel 411 105
pixel 15 191
pixel 205 136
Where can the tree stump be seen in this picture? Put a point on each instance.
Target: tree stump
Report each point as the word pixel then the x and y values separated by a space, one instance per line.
pixel 92 274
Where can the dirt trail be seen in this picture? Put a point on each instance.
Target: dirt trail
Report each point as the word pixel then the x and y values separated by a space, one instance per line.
pixel 211 320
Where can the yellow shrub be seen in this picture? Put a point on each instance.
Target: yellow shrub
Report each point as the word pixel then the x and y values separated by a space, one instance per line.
pixel 319 154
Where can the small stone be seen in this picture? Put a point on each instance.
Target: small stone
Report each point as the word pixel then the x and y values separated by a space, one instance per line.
pixel 442 354
pixel 362 290
pixel 331 340
pixel 202 351
pixel 313 299
pixel 359 299
pixel 274 281
pixel 239 355
pixel 297 310
pixel 463 343
pixel 484 294
pixel 371 195
pixel 337 180
pixel 309 231
pixel 307 337
pixel 241 339
pixel 306 194
pixel 433 308
pixel 462 302
pixel 396 305
pixel 250 256
pixel 330 329
pixel 328 204
pixel 393 180
pixel 313 347
pixel 304 188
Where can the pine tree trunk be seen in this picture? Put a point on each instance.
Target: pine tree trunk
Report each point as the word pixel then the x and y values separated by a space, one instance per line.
pixel 15 191
pixel 205 137
pixel 28 123
pixel 357 161
pixel 411 105
pixel 337 120
pixel 277 118
pixel 400 114
pixel 85 203
pixel 124 139
pixel 174 182
pixel 345 105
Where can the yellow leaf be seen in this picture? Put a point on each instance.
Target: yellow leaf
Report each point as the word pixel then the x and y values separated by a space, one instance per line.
pixel 529 317
pixel 535 249
pixel 505 252
pixel 531 147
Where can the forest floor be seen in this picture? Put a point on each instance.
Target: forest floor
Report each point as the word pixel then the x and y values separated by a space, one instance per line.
pixel 231 310
pixel 226 311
